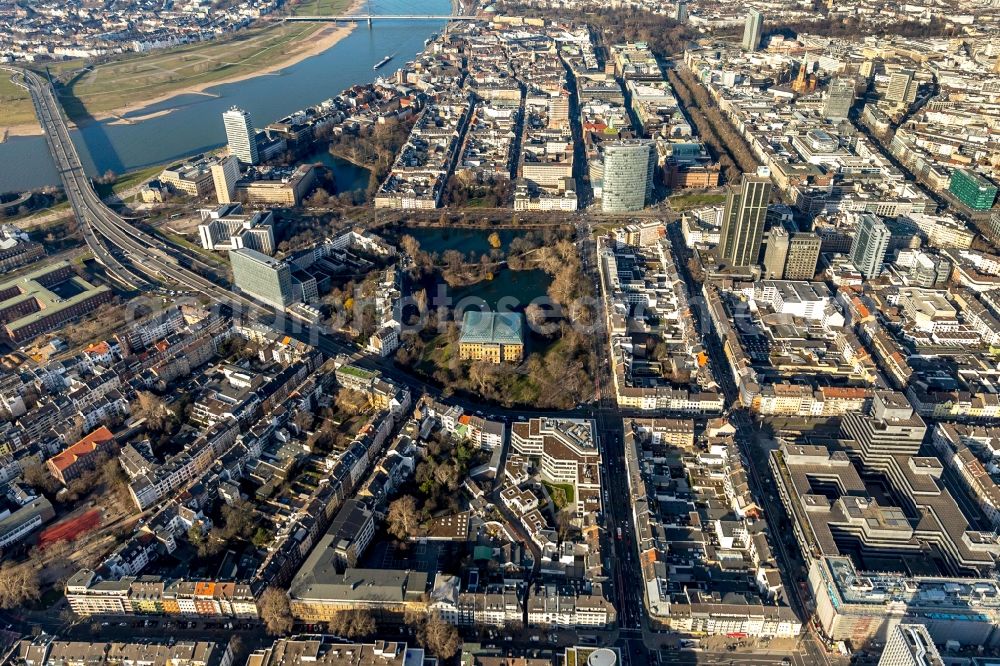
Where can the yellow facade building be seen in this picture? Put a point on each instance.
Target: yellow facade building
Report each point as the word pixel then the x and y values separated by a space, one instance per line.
pixel 497 337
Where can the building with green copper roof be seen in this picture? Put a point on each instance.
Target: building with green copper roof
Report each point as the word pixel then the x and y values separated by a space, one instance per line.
pixel 497 337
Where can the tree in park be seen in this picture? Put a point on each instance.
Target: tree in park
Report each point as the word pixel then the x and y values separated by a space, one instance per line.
pixel 19 584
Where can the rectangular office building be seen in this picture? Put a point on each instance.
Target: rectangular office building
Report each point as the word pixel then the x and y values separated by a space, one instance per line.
pixel 972 189
pixel 262 277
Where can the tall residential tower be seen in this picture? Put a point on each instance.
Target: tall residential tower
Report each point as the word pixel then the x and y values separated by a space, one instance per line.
pixel 240 135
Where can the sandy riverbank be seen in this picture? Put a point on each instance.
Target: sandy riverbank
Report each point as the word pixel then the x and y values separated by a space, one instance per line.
pixel 28 129
pixel 131 120
pixel 312 45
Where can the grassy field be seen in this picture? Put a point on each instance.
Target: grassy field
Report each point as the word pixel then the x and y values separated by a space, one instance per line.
pixel 685 201
pixel 129 180
pixel 134 79
pixel 320 7
pixel 565 500
pixel 177 239
pixel 134 178
pixel 15 103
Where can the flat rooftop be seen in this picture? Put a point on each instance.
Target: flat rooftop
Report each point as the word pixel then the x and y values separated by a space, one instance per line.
pixel 46 291
pixel 844 515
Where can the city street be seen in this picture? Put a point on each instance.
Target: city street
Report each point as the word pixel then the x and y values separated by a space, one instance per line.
pixel 759 477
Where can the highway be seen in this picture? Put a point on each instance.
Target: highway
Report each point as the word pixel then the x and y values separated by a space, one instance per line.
pixel 70 169
pixel 129 252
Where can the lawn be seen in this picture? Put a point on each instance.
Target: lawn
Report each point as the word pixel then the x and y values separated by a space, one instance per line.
pixel 210 256
pixel 129 180
pixel 15 103
pixel 566 488
pixel 436 354
pixel 133 79
pixel 322 7
pixel 686 201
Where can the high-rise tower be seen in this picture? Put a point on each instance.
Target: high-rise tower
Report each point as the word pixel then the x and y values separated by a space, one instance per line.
pixel 839 99
pixel 265 278
pixel 902 88
pixel 241 136
pixel 743 220
pixel 628 175
pixel 752 30
pixel 871 240
pixel 910 645
pixel 224 175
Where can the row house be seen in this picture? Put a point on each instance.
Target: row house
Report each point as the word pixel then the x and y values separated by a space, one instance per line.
pixel 88 594
pixel 551 607
pixel 149 488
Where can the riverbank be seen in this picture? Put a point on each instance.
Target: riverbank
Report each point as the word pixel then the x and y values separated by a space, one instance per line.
pixel 192 126
pixel 119 90
pixel 27 129
pixel 16 112
pixel 312 45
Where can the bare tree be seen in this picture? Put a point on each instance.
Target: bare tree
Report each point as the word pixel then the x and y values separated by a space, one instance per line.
pixel 447 474
pixel 441 638
pixel 403 518
pixel 275 611
pixel 482 374
pixel 420 298
pixel 152 408
pixel 112 475
pixel 238 520
pixel 537 319
pixel 352 624
pixel 304 420
pixel 411 245
pixel 37 476
pixel 351 401
pixel 19 584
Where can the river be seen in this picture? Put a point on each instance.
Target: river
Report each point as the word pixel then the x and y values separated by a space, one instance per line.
pixel 195 123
